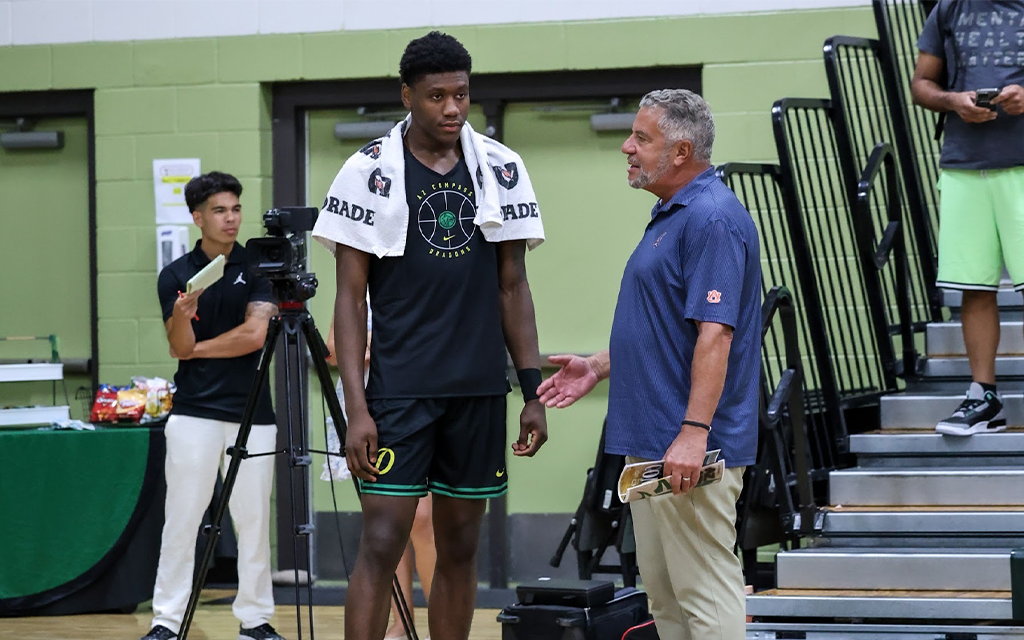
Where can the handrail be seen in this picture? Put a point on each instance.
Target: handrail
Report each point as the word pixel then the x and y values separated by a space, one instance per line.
pixel 881 156
pixel 789 395
pixel 891 245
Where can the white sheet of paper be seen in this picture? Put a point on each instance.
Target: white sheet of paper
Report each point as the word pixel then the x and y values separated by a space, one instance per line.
pixel 169 180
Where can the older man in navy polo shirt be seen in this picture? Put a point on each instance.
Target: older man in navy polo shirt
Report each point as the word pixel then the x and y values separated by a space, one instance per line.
pixel 684 366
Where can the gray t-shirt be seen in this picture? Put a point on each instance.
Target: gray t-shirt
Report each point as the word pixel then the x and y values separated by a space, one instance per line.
pixel 990 48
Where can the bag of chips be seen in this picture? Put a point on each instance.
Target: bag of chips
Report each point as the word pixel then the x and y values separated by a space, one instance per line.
pixel 131 404
pixel 104 407
pixel 159 393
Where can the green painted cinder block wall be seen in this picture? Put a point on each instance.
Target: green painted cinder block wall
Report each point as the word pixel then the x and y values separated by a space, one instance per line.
pixel 210 98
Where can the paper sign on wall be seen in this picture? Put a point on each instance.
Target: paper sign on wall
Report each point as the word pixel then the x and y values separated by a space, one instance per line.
pixel 169 180
pixel 171 244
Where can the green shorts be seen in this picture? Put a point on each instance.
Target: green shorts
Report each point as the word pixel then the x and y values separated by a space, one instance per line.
pixel 450 446
pixel 981 228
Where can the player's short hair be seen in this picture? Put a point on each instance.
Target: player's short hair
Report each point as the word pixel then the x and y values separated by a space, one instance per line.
pixel 435 52
pixel 200 188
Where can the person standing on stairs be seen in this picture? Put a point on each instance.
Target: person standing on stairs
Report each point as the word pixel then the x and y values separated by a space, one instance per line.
pixel 967 48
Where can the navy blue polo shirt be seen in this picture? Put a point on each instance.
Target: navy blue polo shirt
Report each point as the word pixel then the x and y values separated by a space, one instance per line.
pixel 699 260
pixel 217 388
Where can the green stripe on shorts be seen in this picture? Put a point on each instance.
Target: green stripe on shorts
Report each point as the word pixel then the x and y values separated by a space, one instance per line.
pixel 377 488
pixel 478 493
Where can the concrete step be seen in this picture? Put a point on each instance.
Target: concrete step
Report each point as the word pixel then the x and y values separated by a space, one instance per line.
pixel 923 523
pixel 1006 298
pixel 925 410
pixel 928 443
pixel 908 605
pixel 883 568
pixel 946 339
pixel 867 486
pixel 959 369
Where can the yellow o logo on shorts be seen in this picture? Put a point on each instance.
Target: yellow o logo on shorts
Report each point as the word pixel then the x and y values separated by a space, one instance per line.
pixel 381 464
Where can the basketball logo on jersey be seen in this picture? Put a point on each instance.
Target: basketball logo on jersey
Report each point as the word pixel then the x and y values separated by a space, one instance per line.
pixel 445 219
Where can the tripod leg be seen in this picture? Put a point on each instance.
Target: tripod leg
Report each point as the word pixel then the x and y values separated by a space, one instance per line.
pixel 318 350
pixel 237 453
pixel 299 462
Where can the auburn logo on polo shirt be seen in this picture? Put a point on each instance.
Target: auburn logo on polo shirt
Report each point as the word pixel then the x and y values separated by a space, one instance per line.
pixel 714 296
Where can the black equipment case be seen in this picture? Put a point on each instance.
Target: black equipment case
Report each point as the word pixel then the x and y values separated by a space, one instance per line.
pixel 644 631
pixel 572 610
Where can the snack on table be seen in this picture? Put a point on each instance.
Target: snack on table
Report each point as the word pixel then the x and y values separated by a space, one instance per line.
pixel 131 404
pixel 104 408
pixel 158 397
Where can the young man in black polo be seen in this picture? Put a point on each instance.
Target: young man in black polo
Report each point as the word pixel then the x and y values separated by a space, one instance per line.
pixel 435 219
pixel 216 334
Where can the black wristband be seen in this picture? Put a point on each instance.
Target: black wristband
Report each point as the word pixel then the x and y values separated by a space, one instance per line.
pixel 529 380
pixel 694 423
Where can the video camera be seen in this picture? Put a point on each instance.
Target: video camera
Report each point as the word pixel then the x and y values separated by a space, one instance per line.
pixel 281 256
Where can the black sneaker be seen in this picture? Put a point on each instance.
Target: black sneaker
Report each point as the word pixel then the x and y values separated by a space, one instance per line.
pixel 159 632
pixel 262 632
pixel 980 412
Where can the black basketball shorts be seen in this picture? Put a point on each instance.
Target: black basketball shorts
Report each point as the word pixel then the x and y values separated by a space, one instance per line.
pixel 448 446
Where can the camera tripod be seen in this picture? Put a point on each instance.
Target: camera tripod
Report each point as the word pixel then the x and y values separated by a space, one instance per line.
pixel 292 320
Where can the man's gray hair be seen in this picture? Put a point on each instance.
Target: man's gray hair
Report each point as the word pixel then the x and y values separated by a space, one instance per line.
pixel 684 116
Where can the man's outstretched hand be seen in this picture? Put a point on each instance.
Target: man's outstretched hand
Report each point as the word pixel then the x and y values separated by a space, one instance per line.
pixel 576 378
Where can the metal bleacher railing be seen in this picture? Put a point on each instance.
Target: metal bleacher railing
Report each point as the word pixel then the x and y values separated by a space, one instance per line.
pixel 899 24
pixel 759 187
pixel 821 224
pixel 864 90
pixel 850 312
pixel 801 424
pixel 878 193
pixel 778 495
pixel 848 222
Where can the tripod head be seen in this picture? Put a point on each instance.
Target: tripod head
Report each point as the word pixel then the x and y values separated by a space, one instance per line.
pixel 280 257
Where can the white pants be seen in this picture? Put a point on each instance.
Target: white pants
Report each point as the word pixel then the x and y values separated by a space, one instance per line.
pixel 195 449
pixel 684 546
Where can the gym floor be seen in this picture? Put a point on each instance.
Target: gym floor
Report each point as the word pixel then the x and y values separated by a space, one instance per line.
pixel 213 621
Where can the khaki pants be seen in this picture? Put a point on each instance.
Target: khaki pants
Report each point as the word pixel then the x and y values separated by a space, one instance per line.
pixel 684 547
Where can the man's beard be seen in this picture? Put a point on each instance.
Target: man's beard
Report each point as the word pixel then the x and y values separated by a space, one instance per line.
pixel 645 179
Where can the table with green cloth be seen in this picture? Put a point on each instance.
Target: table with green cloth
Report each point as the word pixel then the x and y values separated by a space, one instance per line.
pixel 80 518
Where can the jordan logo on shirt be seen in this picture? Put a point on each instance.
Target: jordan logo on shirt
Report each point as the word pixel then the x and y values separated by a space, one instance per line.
pixel 239 280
